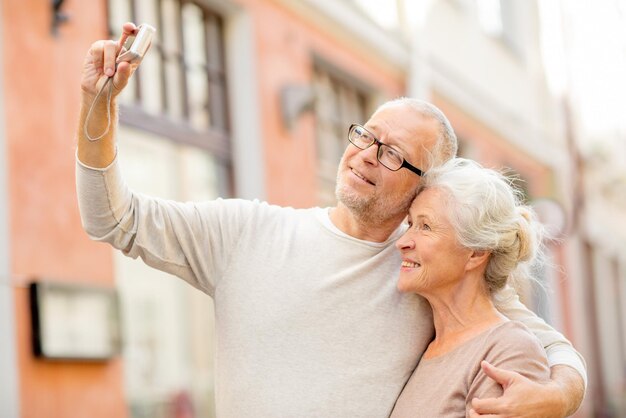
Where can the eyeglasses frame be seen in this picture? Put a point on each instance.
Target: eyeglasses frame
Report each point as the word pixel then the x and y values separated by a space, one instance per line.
pixel 376 141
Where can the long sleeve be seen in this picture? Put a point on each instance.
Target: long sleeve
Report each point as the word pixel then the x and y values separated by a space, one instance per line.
pixel 193 241
pixel 558 349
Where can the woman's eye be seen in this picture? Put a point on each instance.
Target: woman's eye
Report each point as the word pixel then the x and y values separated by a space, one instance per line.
pixel 425 227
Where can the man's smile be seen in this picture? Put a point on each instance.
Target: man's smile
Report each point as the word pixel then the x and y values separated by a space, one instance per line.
pixel 362 177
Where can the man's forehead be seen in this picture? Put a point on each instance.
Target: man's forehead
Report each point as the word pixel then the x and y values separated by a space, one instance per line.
pixel 413 138
pixel 397 120
pixel 396 110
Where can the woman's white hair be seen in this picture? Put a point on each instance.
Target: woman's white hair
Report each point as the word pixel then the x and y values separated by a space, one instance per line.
pixel 487 215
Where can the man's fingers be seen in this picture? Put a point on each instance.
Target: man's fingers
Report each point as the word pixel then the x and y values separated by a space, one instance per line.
pixel 109 56
pixel 96 53
pixel 129 28
pixel 100 64
pixel 486 405
pixel 474 414
pixel 121 76
pixel 503 377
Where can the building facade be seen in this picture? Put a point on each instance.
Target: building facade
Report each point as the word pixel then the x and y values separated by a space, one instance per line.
pixel 241 98
pixel 252 99
pixel 596 248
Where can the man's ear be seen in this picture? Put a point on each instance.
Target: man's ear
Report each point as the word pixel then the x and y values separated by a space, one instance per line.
pixel 477 259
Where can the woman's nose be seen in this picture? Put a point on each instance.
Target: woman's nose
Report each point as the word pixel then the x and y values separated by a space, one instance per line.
pixel 405 243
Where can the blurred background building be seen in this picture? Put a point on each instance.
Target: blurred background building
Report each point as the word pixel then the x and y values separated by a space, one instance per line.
pixel 252 99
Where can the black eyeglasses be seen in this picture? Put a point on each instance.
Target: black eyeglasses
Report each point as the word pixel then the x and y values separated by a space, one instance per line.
pixel 389 157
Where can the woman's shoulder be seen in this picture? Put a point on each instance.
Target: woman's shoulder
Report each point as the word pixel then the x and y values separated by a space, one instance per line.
pixel 512 343
pixel 510 328
pixel 509 346
pixel 513 335
pixel 512 332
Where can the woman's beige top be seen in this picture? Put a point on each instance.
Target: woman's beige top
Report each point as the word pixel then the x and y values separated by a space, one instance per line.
pixel 444 386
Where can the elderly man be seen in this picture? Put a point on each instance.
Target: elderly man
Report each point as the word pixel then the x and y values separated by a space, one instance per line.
pixel 308 318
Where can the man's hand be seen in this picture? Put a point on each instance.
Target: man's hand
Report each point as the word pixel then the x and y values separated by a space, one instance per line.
pixel 99 65
pixel 523 398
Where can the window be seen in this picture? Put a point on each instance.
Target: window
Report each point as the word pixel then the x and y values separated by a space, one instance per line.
pixel 180 89
pixel 339 104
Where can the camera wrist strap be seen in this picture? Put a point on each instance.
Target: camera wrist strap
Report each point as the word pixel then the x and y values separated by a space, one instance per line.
pixel 93 104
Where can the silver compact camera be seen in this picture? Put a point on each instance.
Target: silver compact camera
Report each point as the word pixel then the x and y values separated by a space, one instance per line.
pixel 137 45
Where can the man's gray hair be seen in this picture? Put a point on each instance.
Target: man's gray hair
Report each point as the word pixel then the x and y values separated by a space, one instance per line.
pixel 447 144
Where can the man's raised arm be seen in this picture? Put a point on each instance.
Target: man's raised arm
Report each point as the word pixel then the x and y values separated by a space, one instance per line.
pixel 98 67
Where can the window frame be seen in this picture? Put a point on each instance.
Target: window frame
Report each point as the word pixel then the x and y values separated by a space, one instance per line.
pixel 216 138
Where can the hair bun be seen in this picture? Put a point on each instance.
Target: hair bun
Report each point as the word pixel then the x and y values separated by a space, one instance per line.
pixel 526 233
pixel 525 213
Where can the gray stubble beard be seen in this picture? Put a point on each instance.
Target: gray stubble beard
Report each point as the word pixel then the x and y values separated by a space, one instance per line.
pixel 369 209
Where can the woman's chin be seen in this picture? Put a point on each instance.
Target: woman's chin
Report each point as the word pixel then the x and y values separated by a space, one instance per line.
pixel 405 286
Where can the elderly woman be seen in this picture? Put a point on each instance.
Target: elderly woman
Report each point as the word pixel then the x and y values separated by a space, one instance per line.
pixel 467 237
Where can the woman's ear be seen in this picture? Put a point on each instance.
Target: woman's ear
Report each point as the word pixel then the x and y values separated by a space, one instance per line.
pixel 477 259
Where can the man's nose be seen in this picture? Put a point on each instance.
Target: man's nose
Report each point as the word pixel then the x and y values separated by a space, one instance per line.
pixel 370 154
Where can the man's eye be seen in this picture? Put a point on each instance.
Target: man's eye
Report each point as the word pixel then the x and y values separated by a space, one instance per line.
pixel 393 155
pixel 426 227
